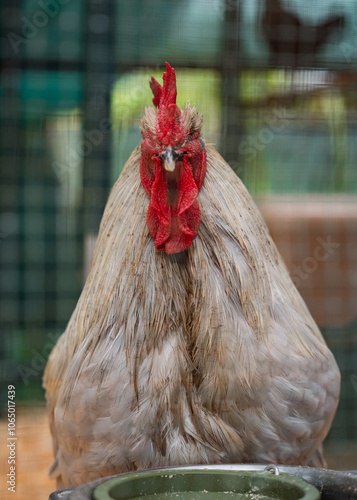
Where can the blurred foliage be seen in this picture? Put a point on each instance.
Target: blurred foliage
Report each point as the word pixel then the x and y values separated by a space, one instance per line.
pixel 295 138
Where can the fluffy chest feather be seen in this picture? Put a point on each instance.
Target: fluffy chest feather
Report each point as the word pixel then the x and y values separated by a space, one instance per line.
pixel 205 356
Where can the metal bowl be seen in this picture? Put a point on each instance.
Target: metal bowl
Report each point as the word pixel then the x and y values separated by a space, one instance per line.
pixel 333 485
pixel 206 484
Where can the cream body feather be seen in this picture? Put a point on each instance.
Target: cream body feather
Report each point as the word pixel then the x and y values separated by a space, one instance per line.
pixel 206 356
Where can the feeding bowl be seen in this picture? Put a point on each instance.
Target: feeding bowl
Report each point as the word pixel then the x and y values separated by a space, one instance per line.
pixel 206 485
pixel 332 485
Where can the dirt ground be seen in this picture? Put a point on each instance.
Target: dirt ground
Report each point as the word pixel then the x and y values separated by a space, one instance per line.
pixel 33 448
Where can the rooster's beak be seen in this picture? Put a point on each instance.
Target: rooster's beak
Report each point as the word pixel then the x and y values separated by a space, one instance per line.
pixel 169 157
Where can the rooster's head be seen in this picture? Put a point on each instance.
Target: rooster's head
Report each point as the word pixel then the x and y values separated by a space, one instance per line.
pixel 172 167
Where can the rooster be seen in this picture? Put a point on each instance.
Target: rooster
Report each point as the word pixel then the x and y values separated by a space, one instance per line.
pixel 290 38
pixel 189 343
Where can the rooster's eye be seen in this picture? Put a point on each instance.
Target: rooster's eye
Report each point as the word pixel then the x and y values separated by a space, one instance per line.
pixel 175 155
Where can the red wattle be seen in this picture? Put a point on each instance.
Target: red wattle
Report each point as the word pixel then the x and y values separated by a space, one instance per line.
pixel 172 227
pixel 159 214
pixel 187 189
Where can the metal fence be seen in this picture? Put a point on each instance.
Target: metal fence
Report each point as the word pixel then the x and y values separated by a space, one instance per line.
pixel 275 81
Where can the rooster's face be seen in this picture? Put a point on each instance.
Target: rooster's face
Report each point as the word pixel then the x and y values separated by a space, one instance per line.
pixel 172 167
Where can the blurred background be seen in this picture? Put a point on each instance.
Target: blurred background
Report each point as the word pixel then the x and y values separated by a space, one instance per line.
pixel 276 83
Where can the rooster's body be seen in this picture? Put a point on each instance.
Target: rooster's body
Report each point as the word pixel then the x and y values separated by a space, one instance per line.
pixel 203 352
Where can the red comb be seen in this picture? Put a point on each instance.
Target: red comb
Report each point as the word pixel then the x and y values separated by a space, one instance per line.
pixel 156 90
pixel 163 96
pixel 168 122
